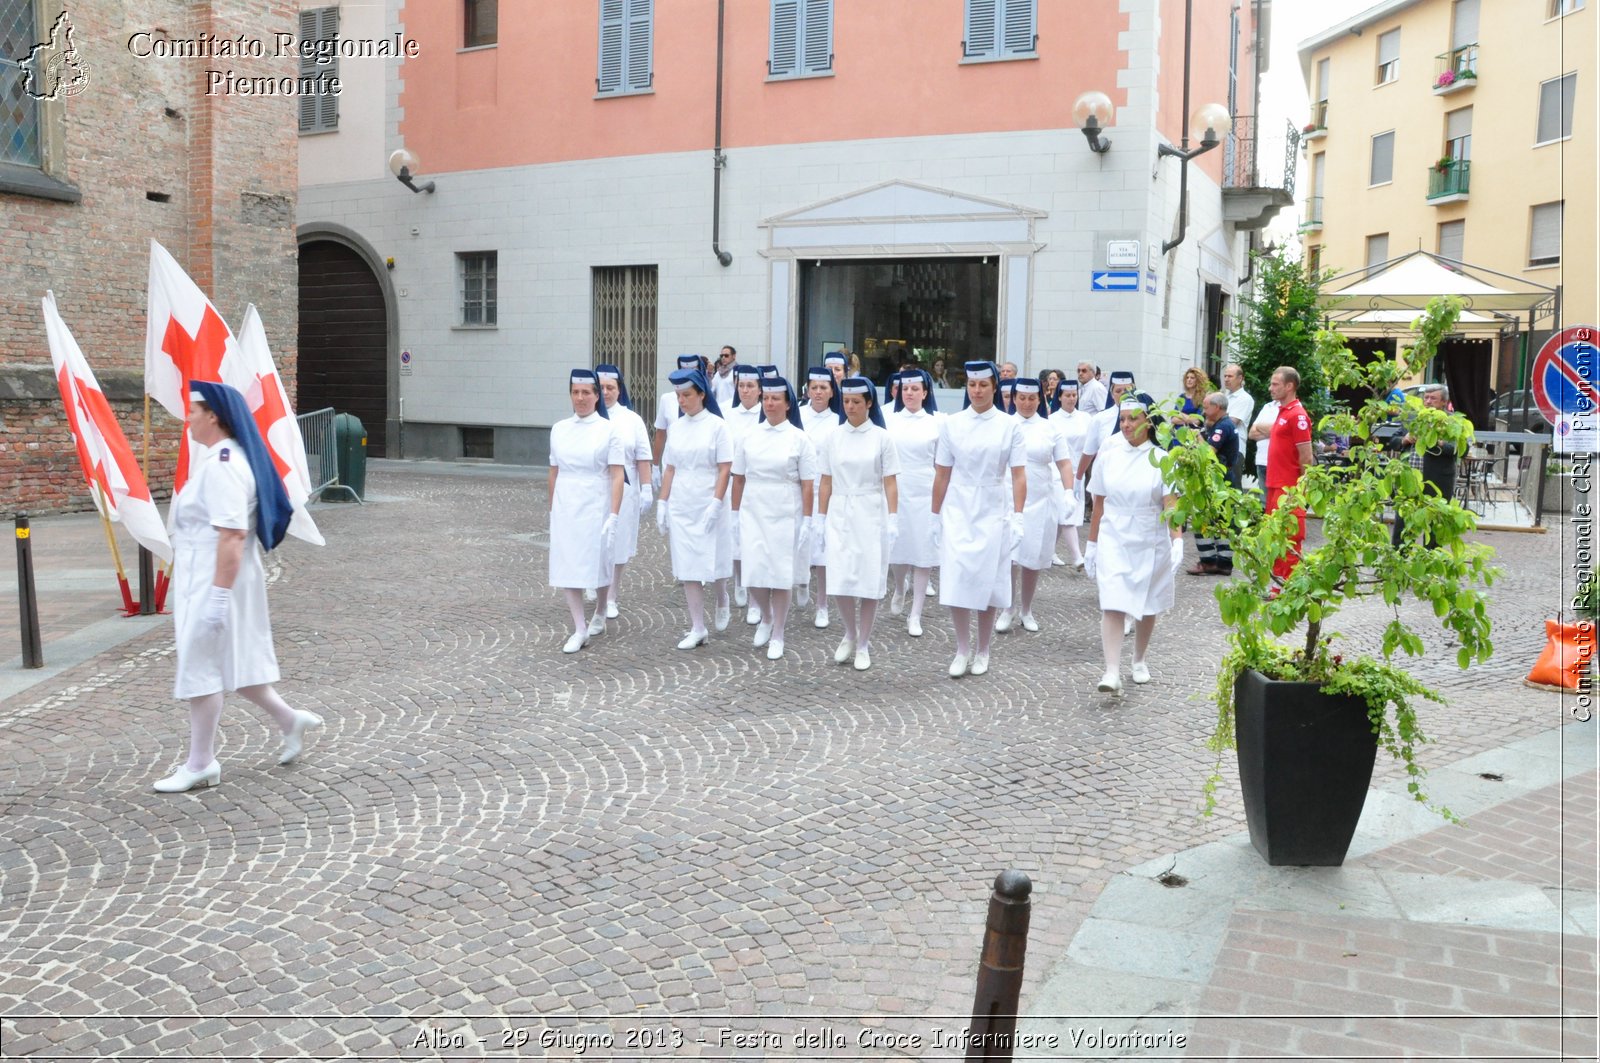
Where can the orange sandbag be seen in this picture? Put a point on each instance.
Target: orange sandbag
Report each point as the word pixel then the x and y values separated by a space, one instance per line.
pixel 1567 650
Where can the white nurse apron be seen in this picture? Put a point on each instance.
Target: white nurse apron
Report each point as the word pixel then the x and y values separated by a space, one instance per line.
pixel 700 540
pixel 1044 446
pixel 582 450
pixel 774 461
pixel 1133 564
pixel 916 438
pixel 856 459
pixel 975 564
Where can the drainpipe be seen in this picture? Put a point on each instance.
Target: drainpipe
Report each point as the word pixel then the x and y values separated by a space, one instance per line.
pixel 1183 158
pixel 718 160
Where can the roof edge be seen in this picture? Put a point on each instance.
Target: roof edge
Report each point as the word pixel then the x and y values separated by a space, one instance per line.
pixel 1355 24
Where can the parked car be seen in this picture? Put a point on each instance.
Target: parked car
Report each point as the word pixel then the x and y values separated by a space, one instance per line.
pixel 1516 412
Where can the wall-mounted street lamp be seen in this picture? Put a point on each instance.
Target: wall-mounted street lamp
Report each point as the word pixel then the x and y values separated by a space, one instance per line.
pixel 402 163
pixel 1093 112
pixel 1208 125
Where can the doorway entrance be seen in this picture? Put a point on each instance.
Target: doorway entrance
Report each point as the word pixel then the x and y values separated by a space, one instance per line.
pixel 344 339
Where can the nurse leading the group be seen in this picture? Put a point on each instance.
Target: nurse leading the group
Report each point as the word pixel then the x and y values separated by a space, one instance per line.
pixel 914 427
pixel 773 474
pixel 586 492
pixel 980 486
pixel 695 465
pixel 232 506
pixel 859 503
pixel 1049 482
pixel 637 494
pixel 818 417
pixel 1133 555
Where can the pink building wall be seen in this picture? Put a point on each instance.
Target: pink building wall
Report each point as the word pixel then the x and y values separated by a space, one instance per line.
pixel 1208 64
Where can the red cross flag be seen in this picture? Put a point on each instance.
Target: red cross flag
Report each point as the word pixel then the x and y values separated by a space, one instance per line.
pixel 103 450
pixel 269 403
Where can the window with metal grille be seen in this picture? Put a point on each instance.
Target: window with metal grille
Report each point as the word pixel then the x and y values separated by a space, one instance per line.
pixel 1382 170
pixel 476 272
pixel 482 23
pixel 1452 240
pixel 1556 98
pixel 627 56
pixel 1544 234
pixel 19 80
pixel 319 111
pixel 1001 29
pixel 802 38
pixel 1388 56
pixel 624 329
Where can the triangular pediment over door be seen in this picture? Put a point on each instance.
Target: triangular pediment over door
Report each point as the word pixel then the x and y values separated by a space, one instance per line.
pixel 902 218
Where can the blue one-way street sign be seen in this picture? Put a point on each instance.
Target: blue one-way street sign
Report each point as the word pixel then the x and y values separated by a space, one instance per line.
pixel 1114 280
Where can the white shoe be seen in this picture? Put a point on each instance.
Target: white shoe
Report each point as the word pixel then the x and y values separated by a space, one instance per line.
pixel 611 609
pixel 863 660
pixel 897 602
pixel 802 594
pixel 724 614
pixel 1141 672
pixel 693 639
pixel 1055 559
pixel 752 614
pixel 958 666
pixel 597 626
pixel 1002 623
pixel 980 664
pixel 1110 683
pixel 822 618
pixel 846 650
pixel 294 740
pixel 183 780
pixel 914 627
pixel 763 635
pixel 576 642
pixel 774 651
pixel 740 597
pixel 588 594
pixel 1029 623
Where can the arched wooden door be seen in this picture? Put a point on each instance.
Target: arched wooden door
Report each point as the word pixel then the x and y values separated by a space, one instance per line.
pixel 344 338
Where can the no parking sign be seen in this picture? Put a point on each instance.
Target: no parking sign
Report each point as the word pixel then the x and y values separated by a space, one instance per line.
pixel 1566 388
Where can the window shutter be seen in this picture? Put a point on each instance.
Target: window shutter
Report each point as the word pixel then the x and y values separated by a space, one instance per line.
pixel 1458 124
pixel 640 50
pixel 1319 173
pixel 611 28
pixel 1382 159
pixel 1389 47
pixel 328 103
pixel 982 30
pixel 1544 241
pixel 1556 98
pixel 818 36
pixel 1377 249
pixel 1452 237
pixel 785 57
pixel 1322 81
pixel 1465 30
pixel 1020 27
pixel 307 102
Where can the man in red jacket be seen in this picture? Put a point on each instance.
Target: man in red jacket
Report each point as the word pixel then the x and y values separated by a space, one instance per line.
pixel 1288 455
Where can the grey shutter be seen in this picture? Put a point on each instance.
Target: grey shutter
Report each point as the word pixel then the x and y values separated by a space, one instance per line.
pixel 1322 81
pixel 1452 238
pixel 1556 98
pixel 818 36
pixel 982 29
pixel 611 30
pixel 1319 173
pixel 1382 159
pixel 1544 239
pixel 308 102
pixel 327 102
pixel 1389 47
pixel 640 50
pixel 1020 27
pixel 1377 249
pixel 1465 29
pixel 785 57
pixel 1458 124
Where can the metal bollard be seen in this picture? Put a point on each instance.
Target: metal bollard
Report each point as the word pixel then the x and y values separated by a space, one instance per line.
pixel 27 597
pixel 147 582
pixel 992 1032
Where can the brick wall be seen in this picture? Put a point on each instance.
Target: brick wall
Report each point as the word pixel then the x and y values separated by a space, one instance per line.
pixel 227 166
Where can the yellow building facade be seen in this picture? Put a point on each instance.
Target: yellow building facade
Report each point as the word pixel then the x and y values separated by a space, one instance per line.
pixel 1466 128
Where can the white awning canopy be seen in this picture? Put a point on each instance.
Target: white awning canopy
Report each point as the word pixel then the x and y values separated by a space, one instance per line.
pixel 1396 292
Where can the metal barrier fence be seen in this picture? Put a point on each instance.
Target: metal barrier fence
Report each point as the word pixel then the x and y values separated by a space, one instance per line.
pixel 316 429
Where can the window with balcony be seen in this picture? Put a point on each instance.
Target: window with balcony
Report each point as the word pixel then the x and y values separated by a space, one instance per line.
pixel 1449 177
pixel 1556 98
pixel 1381 171
pixel 482 24
pixel 1544 234
pixel 1377 249
pixel 1001 29
pixel 802 38
pixel 1457 69
pixel 1388 56
pixel 1452 240
pixel 627 53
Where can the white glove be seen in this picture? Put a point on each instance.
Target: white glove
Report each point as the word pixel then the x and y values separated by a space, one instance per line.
pixel 215 613
pixel 1089 550
pixel 1015 525
pixel 647 498
pixel 734 528
pixel 608 531
pixel 819 526
pixel 893 529
pixel 802 540
pixel 655 477
pixel 661 517
pixel 1177 554
pixel 937 533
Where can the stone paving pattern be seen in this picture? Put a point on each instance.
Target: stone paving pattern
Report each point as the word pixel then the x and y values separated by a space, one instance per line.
pixel 487 827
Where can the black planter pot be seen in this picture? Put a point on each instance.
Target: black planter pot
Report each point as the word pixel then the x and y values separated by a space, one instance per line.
pixel 1305 760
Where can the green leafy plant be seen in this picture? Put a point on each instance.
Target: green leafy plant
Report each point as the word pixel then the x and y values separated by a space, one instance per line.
pixel 1445 165
pixel 1282 630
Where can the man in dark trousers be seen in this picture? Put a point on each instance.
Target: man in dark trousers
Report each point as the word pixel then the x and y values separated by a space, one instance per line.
pixel 1216 556
pixel 1438 465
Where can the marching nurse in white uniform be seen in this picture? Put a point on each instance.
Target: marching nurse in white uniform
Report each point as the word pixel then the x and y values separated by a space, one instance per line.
pixel 1132 554
pixel 232 505
pixel 695 466
pixel 743 414
pixel 859 503
pixel 773 473
pixel 1073 424
pixel 1049 483
pixel 818 417
pixel 637 494
pixel 667 412
pixel 914 427
pixel 980 486
pixel 586 492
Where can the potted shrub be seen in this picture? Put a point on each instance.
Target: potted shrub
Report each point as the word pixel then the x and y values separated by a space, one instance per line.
pixel 1304 707
pixel 1445 165
pixel 1445 80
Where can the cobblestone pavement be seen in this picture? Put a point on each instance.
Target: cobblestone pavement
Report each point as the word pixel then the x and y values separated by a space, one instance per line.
pixel 632 841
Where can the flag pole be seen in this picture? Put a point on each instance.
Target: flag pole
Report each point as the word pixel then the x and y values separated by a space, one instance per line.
pixel 128 607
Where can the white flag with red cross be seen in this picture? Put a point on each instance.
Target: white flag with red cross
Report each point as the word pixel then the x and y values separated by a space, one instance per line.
pixel 103 450
pixel 269 404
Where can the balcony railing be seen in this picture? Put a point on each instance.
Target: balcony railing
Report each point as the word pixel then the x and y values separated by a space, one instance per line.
pixel 1252 161
pixel 1313 218
pixel 1450 183
pixel 1455 70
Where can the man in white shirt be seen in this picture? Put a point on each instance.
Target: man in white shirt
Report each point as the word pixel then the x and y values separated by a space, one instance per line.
pixel 1261 432
pixel 1240 404
pixel 723 386
pixel 1091 392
